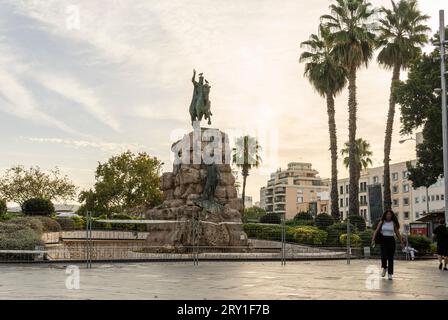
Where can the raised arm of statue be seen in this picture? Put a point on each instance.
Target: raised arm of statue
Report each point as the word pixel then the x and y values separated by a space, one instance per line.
pixel 194 76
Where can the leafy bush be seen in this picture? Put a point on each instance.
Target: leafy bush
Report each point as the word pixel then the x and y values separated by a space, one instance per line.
pixel 253 214
pixel 272 218
pixel 30 222
pixel 18 236
pixel 323 221
pixel 295 223
pixel 302 234
pixel 366 238
pixel 309 235
pixel 38 207
pixel 420 243
pixel 358 222
pixel 66 223
pixel 80 222
pixel 49 224
pixel 3 207
pixel 355 240
pixel 335 231
pixel 303 216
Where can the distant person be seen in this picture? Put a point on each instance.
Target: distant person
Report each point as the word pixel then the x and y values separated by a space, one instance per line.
pixel 441 236
pixel 387 229
pixel 410 251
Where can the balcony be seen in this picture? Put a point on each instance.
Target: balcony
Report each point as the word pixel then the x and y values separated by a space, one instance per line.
pixel 280 199
pixel 280 191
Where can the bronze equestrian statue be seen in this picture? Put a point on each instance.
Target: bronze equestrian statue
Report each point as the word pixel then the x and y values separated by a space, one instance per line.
pixel 200 102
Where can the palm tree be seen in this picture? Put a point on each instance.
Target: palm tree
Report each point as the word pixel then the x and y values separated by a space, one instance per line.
pixel 246 156
pixel 362 155
pixel 328 77
pixel 354 43
pixel 402 33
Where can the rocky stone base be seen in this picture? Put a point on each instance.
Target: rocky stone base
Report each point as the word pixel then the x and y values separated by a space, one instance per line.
pixel 183 206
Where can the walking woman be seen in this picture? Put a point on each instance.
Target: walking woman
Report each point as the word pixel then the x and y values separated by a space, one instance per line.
pixel 441 236
pixel 385 233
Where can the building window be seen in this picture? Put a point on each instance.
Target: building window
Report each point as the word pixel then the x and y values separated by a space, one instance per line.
pixel 299 199
pixel 341 203
pixel 406 215
pixel 395 189
pixel 395 176
pixel 417 215
pixel 395 202
pixel 405 175
pixel 423 198
pixel 432 198
pixel 346 188
pixel 442 197
pixel 341 190
pixel 417 199
pixel 405 188
pixel 346 202
pixel 437 198
pixel 406 201
pixel 375 179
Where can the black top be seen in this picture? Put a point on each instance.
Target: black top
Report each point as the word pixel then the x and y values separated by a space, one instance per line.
pixel 441 233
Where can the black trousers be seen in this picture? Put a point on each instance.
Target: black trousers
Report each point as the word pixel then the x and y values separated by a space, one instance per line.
pixel 387 254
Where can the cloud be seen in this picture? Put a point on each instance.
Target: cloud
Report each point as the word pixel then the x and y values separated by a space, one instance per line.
pixel 110 147
pixel 73 90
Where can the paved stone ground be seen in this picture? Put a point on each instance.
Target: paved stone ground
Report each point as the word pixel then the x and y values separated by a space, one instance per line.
pixel 227 280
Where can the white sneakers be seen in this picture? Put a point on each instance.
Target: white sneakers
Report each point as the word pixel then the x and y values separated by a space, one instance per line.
pixel 383 273
pixel 389 276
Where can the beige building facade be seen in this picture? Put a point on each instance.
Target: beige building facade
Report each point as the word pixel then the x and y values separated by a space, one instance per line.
pixel 296 189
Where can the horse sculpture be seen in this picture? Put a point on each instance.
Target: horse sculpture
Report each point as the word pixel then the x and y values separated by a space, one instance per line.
pixel 200 103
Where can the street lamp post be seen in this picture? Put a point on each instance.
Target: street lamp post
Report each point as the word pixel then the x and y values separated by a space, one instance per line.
pixel 444 108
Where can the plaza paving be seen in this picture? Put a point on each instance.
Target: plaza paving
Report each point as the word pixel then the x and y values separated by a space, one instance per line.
pixel 227 280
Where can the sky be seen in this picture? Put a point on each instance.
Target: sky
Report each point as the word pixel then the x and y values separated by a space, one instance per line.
pixel 83 80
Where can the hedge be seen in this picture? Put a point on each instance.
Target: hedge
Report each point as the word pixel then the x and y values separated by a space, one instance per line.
pixel 66 223
pixel 3 207
pixel 355 240
pixel 18 237
pixel 335 231
pixel 420 243
pixel 38 207
pixel 303 216
pixel 271 218
pixel 49 224
pixel 31 222
pixel 323 221
pixel 309 235
pixel 366 238
pixel 358 222
pixel 301 234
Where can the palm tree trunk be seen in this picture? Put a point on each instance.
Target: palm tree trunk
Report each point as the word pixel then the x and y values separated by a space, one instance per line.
pixel 245 174
pixel 353 206
pixel 334 196
pixel 388 139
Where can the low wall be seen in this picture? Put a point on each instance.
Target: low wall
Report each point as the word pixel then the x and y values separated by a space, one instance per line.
pixel 54 237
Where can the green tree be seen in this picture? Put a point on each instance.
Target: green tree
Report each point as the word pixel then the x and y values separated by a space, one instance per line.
pixel 328 77
pixel 246 156
pixel 420 110
pixel 253 214
pixel 402 33
pixel 125 183
pixel 19 184
pixel 351 27
pixel 362 156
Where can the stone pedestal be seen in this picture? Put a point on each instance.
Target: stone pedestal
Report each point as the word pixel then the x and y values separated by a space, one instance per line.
pixel 183 203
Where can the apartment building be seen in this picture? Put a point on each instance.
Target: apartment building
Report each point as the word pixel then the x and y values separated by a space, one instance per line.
pixel 296 189
pixel 408 203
